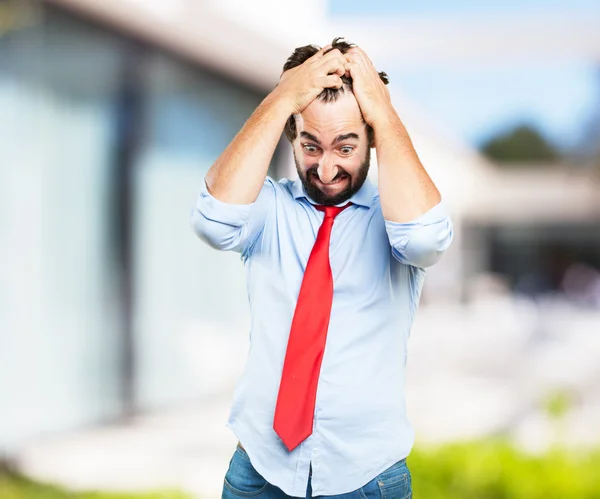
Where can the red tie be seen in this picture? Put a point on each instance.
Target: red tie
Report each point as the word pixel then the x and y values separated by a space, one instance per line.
pixel 298 388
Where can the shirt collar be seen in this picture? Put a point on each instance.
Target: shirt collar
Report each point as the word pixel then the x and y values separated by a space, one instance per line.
pixel 364 196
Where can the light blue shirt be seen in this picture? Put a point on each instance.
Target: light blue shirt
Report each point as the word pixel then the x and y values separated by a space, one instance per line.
pixel 360 423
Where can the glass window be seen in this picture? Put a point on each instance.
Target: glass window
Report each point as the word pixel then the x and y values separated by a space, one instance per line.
pixel 60 334
pixel 183 288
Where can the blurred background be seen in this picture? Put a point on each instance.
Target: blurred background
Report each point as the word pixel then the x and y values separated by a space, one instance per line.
pixel 122 335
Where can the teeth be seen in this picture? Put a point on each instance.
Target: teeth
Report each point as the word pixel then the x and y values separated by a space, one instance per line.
pixel 343 177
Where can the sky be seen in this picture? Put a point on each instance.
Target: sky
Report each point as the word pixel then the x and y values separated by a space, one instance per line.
pixel 360 7
pixel 557 97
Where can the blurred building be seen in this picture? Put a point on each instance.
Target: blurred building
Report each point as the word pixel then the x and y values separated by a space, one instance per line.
pixel 112 112
pixel 106 135
pixel 531 224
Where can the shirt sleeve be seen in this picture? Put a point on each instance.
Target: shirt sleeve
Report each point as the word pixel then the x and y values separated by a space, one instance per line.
pixel 227 226
pixel 421 242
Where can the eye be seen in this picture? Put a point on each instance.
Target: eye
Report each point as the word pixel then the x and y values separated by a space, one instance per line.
pixel 346 150
pixel 310 148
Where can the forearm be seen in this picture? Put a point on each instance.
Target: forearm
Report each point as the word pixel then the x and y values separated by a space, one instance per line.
pixel 406 190
pixel 238 174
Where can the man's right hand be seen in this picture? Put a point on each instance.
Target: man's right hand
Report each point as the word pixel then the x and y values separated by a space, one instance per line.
pixel 303 84
pixel 238 174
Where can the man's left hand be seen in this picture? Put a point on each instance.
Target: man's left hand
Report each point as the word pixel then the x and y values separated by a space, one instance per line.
pixel 372 95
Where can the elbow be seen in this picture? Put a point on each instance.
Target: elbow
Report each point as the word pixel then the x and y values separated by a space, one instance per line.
pixel 425 257
pixel 203 229
pixel 217 235
pixel 427 245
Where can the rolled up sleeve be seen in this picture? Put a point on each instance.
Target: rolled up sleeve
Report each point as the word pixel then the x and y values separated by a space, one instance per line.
pixel 421 242
pixel 226 226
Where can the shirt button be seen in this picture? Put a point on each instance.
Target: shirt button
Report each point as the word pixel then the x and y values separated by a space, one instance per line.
pixel 315 451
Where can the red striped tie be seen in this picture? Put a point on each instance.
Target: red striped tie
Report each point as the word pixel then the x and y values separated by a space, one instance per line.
pixel 298 388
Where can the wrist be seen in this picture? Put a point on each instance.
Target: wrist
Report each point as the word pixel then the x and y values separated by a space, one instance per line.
pixel 280 103
pixel 385 118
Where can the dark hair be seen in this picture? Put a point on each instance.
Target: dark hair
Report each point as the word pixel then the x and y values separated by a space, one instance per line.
pixel 298 57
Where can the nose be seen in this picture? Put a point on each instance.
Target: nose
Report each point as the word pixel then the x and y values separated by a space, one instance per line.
pixel 327 169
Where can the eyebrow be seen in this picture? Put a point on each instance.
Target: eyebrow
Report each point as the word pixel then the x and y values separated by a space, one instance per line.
pixel 346 136
pixel 339 138
pixel 310 136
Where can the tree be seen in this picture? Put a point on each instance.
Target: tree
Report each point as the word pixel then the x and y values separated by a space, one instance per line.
pixel 524 143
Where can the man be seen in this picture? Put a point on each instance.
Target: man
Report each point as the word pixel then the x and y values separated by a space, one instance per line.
pixel 335 268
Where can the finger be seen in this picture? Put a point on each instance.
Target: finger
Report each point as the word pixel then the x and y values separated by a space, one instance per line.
pixel 325 60
pixel 326 50
pixel 358 51
pixel 332 54
pixel 330 81
pixel 320 53
pixel 359 65
pixel 333 64
pixel 358 55
pixel 353 59
pixel 352 69
pixel 338 69
pixel 361 57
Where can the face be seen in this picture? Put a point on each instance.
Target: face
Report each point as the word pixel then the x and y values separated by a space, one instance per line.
pixel 331 150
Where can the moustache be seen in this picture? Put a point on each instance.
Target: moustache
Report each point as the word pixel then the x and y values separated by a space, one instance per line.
pixel 314 170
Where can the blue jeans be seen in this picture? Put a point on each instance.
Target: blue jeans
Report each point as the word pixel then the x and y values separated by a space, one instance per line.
pixel 243 481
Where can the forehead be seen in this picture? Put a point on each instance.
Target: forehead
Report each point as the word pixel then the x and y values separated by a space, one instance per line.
pixel 328 119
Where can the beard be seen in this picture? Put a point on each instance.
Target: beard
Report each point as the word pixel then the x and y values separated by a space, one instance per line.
pixel 320 197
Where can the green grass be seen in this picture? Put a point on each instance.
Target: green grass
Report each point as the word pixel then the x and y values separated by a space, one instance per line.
pixel 493 469
pixel 14 486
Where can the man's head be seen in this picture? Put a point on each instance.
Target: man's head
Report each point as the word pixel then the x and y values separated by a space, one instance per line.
pixel 330 139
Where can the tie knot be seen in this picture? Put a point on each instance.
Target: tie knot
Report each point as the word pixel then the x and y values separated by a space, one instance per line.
pixel 331 211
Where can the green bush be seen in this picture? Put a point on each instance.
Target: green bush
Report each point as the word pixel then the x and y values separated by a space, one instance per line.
pixel 14 486
pixel 496 470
